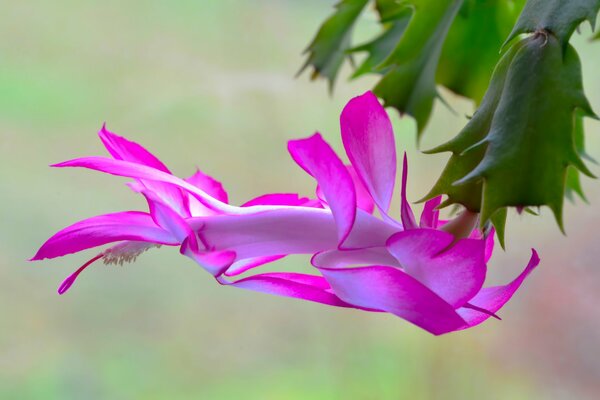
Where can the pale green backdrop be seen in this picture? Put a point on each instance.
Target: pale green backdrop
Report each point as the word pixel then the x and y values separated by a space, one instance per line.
pixel 211 84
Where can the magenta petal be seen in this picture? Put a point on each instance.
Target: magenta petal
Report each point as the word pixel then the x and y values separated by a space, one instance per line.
pixel 406 214
pixel 392 290
pixel 133 170
pixel 299 230
pixel 317 158
pixel 168 219
pixel 210 185
pixel 368 138
pixel 364 201
pixel 279 199
pixel 455 273
pixel 494 298
pixel 299 286
pixel 215 262
pixel 430 216
pixel 241 266
pixel 123 149
pixel 354 258
pixel 103 229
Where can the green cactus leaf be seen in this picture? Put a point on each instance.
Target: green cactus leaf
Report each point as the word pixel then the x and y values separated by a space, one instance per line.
pixel 327 51
pixel 559 17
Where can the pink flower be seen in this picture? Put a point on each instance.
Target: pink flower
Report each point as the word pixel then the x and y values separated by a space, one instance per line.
pixel 431 273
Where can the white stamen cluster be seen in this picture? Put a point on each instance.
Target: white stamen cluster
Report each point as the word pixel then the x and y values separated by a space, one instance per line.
pixel 126 252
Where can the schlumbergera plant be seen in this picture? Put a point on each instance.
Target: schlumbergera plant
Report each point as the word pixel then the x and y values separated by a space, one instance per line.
pixel 522 148
pixel 524 145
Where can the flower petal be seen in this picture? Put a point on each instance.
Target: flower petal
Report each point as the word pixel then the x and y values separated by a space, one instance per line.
pixel 241 266
pixel 300 286
pixel 209 184
pixel 133 170
pixel 354 258
pixel 494 298
pixel 123 149
pixel 454 273
pixel 103 229
pixel 368 138
pixel 319 160
pixel 297 230
pixel 430 216
pixel 392 290
pixel 364 201
pixel 281 199
pixel 406 214
pixel 126 150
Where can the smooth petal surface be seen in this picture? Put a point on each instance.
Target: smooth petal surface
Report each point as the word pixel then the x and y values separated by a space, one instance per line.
pixel 455 273
pixel 319 160
pixel 280 199
pixel 169 220
pixel 494 298
pixel 209 185
pixel 138 171
pixel 406 213
pixel 241 266
pixel 368 138
pixel 126 150
pixel 299 286
pixel 430 216
pixel 354 258
pixel 364 201
pixel 392 290
pixel 299 230
pixel 103 229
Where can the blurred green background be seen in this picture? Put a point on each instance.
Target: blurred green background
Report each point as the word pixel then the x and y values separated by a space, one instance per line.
pixel 211 83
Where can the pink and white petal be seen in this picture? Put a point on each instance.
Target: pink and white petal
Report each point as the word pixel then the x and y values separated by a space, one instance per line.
pixel 209 185
pixel 137 171
pixel 431 215
pixel 392 290
pixel 370 231
pixel 494 298
pixel 124 149
pixel 298 230
pixel 368 138
pixel 241 266
pixel 103 229
pixel 299 286
pixel 454 273
pixel 215 262
pixel 277 199
pixel 406 213
pixel 317 158
pixel 354 258
pixel 165 217
pixel 364 201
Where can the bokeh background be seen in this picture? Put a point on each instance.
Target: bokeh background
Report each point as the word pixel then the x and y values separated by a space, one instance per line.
pixel 211 84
